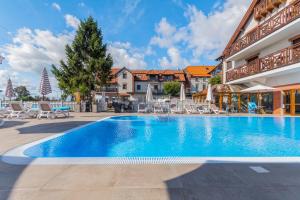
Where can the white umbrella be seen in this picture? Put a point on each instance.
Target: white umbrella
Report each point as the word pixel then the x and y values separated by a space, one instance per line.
pixel 9 90
pixel 45 87
pixel 209 95
pixel 182 92
pixel 149 96
pixel 259 89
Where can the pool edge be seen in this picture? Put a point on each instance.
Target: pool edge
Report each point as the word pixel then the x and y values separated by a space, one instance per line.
pixel 16 156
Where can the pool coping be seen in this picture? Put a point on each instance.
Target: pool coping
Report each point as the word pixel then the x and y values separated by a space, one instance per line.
pixel 16 155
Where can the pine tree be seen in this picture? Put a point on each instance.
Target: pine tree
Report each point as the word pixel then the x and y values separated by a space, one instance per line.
pixel 88 65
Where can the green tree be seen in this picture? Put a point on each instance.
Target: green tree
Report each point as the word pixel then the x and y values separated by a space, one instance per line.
pixel 172 88
pixel 215 80
pixel 23 94
pixel 88 65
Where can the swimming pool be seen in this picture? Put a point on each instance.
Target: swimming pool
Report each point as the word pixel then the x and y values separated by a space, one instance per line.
pixel 171 138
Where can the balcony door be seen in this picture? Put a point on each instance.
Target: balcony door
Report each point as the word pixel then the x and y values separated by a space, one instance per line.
pixel 297 102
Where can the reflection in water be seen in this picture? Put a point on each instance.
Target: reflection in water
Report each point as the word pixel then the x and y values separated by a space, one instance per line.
pixel 181 130
pixel 280 122
pixel 208 130
pixel 293 127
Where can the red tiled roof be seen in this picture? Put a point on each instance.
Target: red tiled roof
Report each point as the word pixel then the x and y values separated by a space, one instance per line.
pixel 142 75
pixel 114 71
pixel 199 71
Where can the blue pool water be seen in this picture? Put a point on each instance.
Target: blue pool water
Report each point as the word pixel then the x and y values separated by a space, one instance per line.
pixel 134 136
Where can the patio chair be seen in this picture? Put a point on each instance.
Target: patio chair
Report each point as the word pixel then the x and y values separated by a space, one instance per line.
pixel 252 107
pixel 142 108
pixel 216 110
pixel 47 111
pixel 158 108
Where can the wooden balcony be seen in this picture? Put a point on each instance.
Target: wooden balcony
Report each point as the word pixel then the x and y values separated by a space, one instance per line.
pixel 282 58
pixel 279 20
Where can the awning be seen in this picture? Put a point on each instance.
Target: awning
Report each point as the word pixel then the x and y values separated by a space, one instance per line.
pixel 259 89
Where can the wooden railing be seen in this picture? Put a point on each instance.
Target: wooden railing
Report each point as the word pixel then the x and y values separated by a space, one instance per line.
pixel 282 58
pixel 279 20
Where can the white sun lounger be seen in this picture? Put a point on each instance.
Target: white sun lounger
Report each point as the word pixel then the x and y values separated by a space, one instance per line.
pixel 190 109
pixel 142 108
pixel 158 108
pixel 46 111
pixel 216 110
pixel 17 111
pixel 203 110
pixel 175 110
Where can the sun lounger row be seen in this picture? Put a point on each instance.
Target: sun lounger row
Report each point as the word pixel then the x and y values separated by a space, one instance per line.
pixel 17 110
pixel 179 109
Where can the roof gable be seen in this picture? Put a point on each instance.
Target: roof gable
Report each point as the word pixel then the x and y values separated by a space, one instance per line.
pixel 242 24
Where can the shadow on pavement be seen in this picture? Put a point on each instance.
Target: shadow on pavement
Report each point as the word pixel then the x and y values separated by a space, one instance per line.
pixel 56 127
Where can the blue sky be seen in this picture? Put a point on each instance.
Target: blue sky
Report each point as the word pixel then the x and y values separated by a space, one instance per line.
pixel 140 33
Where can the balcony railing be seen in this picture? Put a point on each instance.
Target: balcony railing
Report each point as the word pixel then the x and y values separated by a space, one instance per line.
pixel 279 20
pixel 282 58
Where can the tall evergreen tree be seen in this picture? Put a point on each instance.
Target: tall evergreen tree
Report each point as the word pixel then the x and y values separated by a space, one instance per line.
pixel 88 64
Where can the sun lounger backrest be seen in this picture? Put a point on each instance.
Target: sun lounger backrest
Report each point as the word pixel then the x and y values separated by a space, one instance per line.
pixel 173 106
pixel 16 107
pixel 142 106
pixel 45 107
pixel 214 107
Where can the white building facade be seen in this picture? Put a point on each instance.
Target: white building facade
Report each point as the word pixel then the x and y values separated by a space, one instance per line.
pixel 265 49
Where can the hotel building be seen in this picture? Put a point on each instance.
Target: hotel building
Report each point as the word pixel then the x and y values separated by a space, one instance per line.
pixel 134 83
pixel 265 49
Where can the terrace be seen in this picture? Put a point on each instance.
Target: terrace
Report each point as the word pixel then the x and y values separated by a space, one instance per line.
pixel 274 23
pixel 280 59
pixel 159 182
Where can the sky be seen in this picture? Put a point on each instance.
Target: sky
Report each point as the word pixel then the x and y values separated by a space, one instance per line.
pixel 140 34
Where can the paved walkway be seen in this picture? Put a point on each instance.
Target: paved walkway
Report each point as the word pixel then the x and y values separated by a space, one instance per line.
pixel 134 182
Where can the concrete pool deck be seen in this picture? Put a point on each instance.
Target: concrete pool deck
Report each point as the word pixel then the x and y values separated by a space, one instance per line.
pixel 142 182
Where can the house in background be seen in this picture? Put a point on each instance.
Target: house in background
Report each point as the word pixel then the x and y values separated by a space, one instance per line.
pixel 156 78
pixel 134 83
pixel 265 49
pixel 197 77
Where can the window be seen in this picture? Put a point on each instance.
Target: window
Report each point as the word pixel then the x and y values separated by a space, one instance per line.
pixel 229 65
pixel 124 86
pixel 196 79
pixel 204 86
pixel 138 87
pixel 124 75
pixel 252 59
pixel 197 87
pixel 295 40
pixel 155 87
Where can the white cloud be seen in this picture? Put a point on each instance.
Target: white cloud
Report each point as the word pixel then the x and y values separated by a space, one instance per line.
pixel 56 6
pixel 125 55
pixel 174 59
pixel 208 34
pixel 167 35
pixel 204 35
pixel 31 50
pixel 72 21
